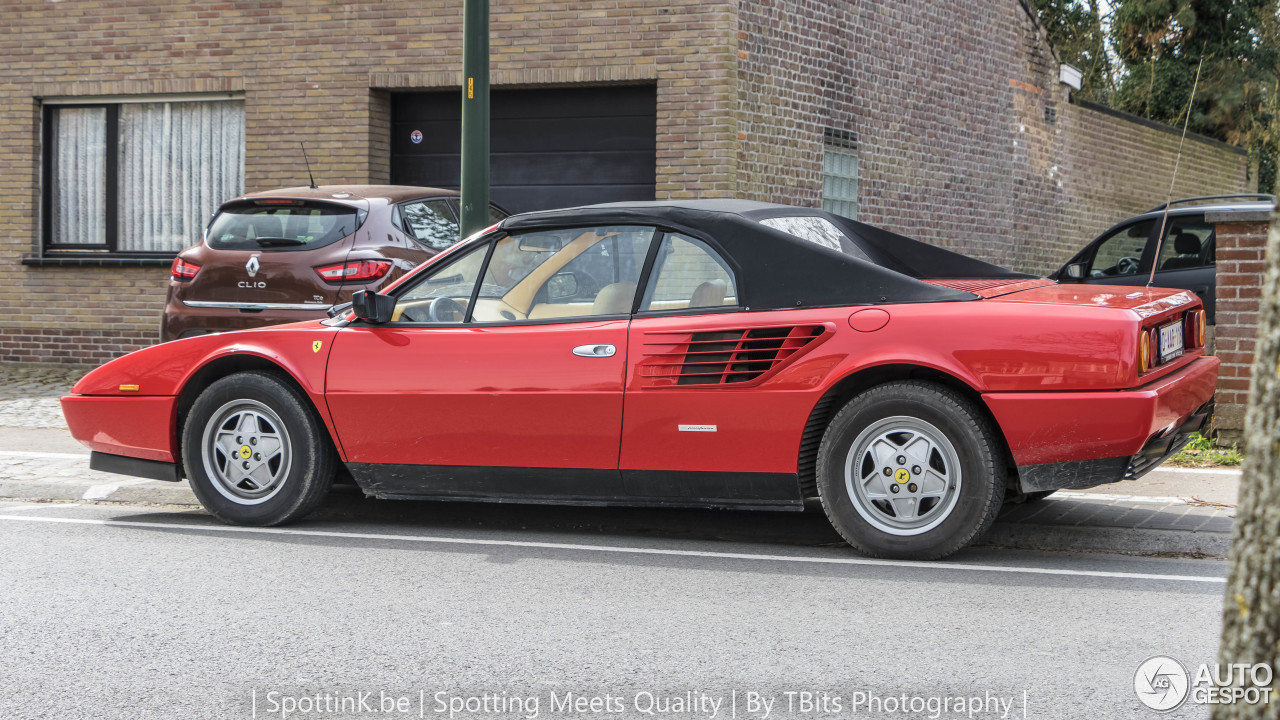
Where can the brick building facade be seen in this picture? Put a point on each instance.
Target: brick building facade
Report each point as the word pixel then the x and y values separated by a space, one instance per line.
pixel 951 113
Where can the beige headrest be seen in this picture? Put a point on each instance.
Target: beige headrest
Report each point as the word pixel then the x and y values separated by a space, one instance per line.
pixel 614 299
pixel 709 294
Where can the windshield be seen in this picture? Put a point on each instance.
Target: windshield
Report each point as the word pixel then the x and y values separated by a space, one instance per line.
pixel 297 226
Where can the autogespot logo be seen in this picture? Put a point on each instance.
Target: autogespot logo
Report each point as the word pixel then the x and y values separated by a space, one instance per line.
pixel 1161 683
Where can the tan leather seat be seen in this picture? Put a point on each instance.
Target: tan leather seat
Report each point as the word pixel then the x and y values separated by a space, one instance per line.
pixel 614 299
pixel 709 294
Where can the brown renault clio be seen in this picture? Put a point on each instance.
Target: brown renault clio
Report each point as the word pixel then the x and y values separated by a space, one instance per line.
pixel 285 255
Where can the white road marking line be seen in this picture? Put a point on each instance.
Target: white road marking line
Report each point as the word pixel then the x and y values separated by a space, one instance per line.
pixel 1199 471
pixel 48 455
pixel 940 565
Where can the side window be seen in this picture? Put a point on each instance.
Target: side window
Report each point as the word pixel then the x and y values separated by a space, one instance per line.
pixel 430 222
pixel 689 274
pixel 1188 243
pixel 579 272
pixel 443 295
pixel 1120 254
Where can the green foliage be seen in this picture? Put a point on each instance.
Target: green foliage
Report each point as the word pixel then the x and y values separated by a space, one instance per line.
pixel 1203 452
pixel 1160 44
pixel 1075 29
pixel 1146 64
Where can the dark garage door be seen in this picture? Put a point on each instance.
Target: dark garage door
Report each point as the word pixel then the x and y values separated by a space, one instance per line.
pixel 549 147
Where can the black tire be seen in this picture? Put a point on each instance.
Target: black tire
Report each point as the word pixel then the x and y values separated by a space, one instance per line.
pixel 296 465
pixel 963 510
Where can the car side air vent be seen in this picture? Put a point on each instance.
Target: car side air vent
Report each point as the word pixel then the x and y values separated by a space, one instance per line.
pixel 724 357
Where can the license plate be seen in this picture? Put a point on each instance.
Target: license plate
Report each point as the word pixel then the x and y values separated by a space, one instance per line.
pixel 1170 341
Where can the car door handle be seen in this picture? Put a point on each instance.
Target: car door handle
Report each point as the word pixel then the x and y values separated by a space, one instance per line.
pixel 595 351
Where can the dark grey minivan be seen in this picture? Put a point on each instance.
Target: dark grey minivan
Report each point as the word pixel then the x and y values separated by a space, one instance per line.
pixel 1125 254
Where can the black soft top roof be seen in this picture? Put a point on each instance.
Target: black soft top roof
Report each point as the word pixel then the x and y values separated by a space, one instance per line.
pixel 778 270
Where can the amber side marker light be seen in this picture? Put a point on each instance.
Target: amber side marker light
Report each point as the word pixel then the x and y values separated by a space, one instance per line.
pixel 1144 351
pixel 1202 321
pixel 128 388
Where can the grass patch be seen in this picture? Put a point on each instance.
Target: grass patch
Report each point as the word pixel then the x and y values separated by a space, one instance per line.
pixel 1202 452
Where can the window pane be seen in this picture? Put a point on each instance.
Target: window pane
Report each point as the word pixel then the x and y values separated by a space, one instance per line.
pixel 1187 244
pixel 178 162
pixel 1120 254
pixel 574 273
pixel 840 181
pixel 431 223
pixel 79 157
pixel 442 296
pixel 689 274
pixel 281 227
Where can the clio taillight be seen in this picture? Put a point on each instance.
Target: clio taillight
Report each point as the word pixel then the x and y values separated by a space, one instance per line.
pixel 183 270
pixel 355 271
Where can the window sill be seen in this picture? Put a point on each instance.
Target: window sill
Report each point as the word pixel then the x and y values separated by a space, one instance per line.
pixel 104 261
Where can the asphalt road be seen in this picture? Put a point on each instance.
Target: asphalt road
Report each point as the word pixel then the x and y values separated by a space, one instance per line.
pixel 148 612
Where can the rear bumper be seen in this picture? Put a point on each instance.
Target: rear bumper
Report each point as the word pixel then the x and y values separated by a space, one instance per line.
pixel 135 427
pixel 1080 474
pixel 1092 435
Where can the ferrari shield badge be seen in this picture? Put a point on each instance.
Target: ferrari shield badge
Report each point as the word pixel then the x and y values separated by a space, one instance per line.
pixel 316 345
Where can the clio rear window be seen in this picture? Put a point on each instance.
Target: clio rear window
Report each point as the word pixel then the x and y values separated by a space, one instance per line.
pixel 274 225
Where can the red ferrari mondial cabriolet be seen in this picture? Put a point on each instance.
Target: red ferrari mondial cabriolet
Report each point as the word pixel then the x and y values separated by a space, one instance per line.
pixel 712 353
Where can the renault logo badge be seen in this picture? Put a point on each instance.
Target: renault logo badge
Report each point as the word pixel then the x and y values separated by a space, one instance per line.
pixel 252 266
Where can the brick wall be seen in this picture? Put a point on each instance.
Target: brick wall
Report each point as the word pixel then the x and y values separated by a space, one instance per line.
pixel 1118 166
pixel 319 71
pixel 965 137
pixel 1241 245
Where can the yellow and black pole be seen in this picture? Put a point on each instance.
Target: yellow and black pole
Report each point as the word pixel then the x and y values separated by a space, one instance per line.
pixel 475 116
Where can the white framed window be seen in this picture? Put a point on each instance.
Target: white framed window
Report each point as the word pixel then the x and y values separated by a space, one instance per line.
pixel 137 177
pixel 840 173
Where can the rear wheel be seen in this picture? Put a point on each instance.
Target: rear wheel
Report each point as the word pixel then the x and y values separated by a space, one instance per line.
pixel 255 452
pixel 910 470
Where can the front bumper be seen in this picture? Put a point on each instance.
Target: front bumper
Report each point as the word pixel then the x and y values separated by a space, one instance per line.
pixel 1083 439
pixel 138 427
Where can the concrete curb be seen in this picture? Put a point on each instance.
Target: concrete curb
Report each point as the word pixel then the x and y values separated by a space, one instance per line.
pixel 1126 541
pixel 147 492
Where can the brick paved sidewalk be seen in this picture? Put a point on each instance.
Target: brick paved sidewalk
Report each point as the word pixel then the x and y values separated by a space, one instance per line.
pixel 29 393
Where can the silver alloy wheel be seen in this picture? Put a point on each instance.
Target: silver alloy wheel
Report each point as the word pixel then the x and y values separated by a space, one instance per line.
pixel 903 475
pixel 246 452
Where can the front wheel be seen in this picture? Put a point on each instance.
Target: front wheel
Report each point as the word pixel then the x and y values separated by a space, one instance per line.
pixel 255 452
pixel 910 470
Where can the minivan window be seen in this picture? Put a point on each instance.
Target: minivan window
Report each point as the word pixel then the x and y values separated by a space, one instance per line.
pixel 298 226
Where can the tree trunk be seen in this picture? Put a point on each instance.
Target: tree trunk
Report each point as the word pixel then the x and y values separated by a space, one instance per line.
pixel 1251 612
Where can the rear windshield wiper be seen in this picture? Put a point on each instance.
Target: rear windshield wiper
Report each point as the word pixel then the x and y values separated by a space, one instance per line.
pixel 278 241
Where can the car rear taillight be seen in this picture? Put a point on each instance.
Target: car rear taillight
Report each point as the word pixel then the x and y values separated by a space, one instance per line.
pixel 355 271
pixel 1194 329
pixel 183 270
pixel 1144 351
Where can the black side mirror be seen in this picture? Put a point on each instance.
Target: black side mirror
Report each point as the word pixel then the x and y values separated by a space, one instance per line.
pixel 373 307
pixel 1075 271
